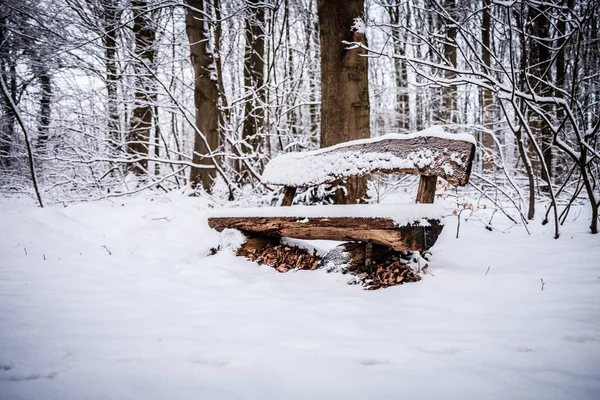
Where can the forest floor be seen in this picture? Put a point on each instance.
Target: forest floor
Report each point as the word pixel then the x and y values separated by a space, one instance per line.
pixel 120 300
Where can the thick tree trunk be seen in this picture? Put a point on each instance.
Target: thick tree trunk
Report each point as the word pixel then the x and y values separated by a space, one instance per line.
pixel 344 82
pixel 145 92
pixel 313 30
pixel 206 96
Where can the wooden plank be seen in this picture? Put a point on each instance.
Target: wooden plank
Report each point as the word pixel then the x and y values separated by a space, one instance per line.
pixel 288 196
pixel 383 231
pixel 426 191
pixel 446 158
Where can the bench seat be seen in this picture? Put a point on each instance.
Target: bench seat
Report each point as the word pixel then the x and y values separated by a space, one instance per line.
pixel 401 227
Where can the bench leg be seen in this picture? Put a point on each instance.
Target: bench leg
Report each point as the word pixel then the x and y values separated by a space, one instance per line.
pixel 288 196
pixel 368 255
pixel 426 191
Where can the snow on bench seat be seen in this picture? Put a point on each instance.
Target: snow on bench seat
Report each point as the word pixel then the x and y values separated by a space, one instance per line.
pixel 429 152
pixel 401 227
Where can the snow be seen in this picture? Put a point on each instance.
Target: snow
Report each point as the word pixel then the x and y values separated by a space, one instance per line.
pixel 157 318
pixel 402 214
pixel 302 169
pixel 434 131
pixel 358 26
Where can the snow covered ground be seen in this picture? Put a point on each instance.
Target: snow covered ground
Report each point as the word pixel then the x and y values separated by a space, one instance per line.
pixel 119 300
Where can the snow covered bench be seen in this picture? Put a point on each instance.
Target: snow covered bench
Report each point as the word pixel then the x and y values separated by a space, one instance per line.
pixel 431 153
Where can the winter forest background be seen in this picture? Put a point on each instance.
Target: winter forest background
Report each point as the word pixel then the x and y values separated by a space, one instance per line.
pixel 103 98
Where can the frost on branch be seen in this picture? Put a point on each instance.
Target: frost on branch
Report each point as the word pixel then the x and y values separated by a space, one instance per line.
pixel 358 26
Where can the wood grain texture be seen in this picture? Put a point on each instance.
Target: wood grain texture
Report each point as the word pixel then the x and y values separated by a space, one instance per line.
pixel 288 196
pixel 426 190
pixel 449 159
pixel 383 231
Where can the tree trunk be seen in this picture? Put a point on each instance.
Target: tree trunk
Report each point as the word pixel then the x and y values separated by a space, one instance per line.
pixel 111 15
pixel 449 112
pixel 254 65
pixel 45 109
pixel 145 91
pixel 538 64
pixel 344 82
pixel 313 50
pixel 206 96
pixel 402 102
pixel 7 126
pixel 487 99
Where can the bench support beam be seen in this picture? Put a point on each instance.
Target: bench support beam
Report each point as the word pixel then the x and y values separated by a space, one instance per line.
pixel 426 191
pixel 288 196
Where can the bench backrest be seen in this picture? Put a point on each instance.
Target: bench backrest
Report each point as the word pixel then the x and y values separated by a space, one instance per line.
pixel 430 153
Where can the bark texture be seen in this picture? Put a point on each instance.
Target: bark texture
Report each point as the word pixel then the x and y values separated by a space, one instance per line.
pixel 288 196
pixel 145 92
pixel 383 231
pixel 487 99
pixel 345 112
pixel 110 15
pixel 426 190
pixel 449 159
pixel 206 96
pixel 449 110
pixel 45 108
pixel 8 73
pixel 254 65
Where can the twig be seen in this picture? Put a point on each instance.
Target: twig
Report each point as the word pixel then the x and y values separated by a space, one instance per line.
pixel 542 284
pixel 488 270
pixel 106 248
pixel 458 225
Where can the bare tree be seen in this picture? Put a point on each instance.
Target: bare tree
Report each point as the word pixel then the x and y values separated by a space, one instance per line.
pixel 206 94
pixel 254 82
pixel 145 91
pixel 487 96
pixel 345 110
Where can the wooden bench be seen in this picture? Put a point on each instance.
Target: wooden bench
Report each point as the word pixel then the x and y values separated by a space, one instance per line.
pixel 431 153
